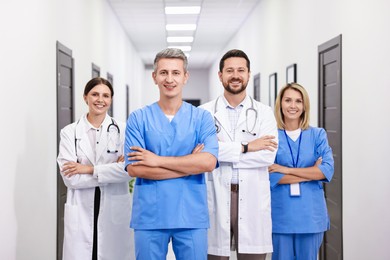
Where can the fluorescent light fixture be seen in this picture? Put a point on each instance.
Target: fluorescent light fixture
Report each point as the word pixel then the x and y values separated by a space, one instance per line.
pixel 180 39
pixel 180 27
pixel 182 9
pixel 183 48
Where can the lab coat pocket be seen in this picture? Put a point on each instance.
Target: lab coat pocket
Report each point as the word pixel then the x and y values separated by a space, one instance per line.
pixel 121 209
pixel 71 218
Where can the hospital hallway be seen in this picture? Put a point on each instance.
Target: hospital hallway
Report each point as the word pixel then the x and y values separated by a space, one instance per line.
pixel 337 49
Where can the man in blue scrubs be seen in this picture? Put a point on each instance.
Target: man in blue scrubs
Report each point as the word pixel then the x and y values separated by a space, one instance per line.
pixel 170 144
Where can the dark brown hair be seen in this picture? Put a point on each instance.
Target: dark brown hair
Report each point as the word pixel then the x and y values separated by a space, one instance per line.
pixel 234 53
pixel 97 81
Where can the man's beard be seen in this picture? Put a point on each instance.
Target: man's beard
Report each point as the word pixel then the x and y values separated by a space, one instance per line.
pixel 235 91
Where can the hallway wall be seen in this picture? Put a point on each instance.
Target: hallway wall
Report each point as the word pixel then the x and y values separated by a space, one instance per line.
pixel 279 33
pixel 29 31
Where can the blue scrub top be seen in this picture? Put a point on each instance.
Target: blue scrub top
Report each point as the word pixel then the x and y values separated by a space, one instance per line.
pixel 306 213
pixel 173 203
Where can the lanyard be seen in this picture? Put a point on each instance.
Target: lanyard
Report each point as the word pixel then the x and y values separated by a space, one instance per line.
pixel 295 163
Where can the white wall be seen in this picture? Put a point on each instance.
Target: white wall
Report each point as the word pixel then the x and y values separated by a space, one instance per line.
pixel 279 33
pixel 95 35
pixel 29 31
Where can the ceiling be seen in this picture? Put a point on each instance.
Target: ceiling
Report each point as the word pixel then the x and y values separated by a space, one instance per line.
pixel 144 21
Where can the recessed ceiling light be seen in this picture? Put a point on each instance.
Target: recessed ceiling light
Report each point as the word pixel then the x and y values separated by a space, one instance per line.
pixel 180 27
pixel 182 9
pixel 180 39
pixel 183 48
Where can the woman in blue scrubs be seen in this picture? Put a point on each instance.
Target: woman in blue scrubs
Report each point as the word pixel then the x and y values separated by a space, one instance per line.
pixel 304 161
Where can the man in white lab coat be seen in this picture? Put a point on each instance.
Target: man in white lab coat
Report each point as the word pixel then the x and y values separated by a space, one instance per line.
pixel 239 190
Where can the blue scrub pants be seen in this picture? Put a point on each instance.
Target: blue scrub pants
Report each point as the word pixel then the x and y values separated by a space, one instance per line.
pixel 296 246
pixel 187 244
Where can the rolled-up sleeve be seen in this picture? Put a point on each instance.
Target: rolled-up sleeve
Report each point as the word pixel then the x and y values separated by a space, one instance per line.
pixel 325 151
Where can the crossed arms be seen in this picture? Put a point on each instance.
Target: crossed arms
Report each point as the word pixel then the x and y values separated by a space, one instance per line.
pixel 151 166
pixel 296 175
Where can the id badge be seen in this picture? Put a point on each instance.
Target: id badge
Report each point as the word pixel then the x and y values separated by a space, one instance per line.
pixel 295 190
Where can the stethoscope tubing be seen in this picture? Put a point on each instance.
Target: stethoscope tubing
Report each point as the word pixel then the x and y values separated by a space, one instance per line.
pixel 113 124
pixel 218 127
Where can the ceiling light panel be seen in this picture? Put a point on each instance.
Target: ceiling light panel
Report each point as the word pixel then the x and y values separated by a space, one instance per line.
pixel 182 9
pixel 145 20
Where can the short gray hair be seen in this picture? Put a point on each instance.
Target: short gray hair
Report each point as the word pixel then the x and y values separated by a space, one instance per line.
pixel 171 53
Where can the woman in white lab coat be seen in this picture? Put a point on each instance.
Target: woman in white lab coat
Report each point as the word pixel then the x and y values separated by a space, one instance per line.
pixel 98 205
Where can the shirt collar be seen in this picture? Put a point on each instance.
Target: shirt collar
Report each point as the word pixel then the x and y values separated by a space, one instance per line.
pixel 227 105
pixel 89 126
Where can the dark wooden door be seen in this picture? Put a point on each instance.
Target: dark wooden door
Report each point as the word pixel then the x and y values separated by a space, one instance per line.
pixel 330 114
pixel 65 116
pixel 256 87
pixel 110 79
pixel 95 70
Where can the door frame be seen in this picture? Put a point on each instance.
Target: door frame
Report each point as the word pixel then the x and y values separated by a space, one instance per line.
pixel 329 45
pixel 60 48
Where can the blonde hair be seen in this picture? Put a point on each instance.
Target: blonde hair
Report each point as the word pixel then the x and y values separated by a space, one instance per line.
pixel 305 117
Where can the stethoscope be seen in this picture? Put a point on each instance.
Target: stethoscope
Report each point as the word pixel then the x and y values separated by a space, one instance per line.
pixel 218 127
pixel 112 130
pixel 117 134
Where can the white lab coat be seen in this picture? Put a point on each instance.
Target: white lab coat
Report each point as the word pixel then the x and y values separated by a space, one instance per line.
pixel 254 213
pixel 115 240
